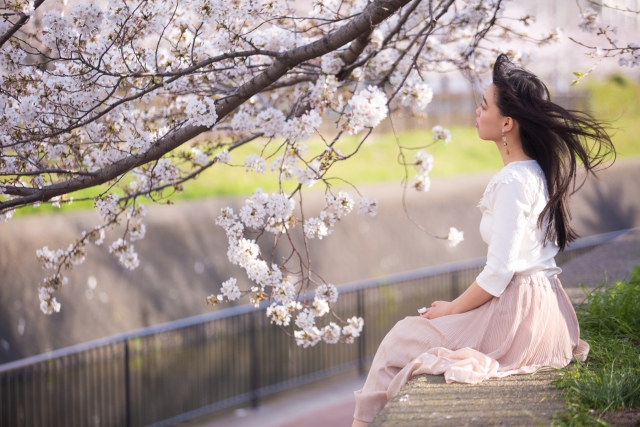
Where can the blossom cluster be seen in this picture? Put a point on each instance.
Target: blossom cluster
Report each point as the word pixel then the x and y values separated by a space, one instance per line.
pixel 368 109
pixel 109 210
pixel 633 57
pixel 440 133
pixel 423 164
pixel 414 91
pixel 336 208
pixel 455 237
pixel 125 253
pixel 262 212
pixel 589 20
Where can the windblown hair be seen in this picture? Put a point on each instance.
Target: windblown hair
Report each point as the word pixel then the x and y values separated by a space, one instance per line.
pixel 557 138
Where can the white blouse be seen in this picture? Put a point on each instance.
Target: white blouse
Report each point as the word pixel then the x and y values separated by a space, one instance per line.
pixel 510 207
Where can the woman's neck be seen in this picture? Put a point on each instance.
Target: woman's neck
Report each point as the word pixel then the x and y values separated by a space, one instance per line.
pixel 515 152
pixel 523 158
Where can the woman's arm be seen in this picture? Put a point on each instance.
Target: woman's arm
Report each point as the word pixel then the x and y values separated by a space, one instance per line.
pixel 472 298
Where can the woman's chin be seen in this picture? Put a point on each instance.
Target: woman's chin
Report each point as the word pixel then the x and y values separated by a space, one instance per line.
pixel 482 136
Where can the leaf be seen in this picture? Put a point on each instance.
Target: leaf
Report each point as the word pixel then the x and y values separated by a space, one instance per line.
pixel 578 74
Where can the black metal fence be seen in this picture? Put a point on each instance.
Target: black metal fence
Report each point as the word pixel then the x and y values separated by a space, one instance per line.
pixel 173 372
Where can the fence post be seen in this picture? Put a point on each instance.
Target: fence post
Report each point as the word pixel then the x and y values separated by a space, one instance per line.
pixel 361 338
pixel 127 387
pixel 455 284
pixel 255 360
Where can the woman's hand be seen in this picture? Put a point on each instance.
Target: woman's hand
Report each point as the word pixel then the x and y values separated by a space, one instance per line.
pixel 437 309
pixel 470 299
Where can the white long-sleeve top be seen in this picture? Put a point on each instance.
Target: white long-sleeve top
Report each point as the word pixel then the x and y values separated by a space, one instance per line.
pixel 510 207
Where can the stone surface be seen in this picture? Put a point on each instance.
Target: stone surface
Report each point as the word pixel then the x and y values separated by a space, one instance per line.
pixel 610 262
pixel 518 400
pixel 605 264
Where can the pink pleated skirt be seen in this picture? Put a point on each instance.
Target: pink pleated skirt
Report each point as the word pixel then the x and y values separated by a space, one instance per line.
pixel 530 326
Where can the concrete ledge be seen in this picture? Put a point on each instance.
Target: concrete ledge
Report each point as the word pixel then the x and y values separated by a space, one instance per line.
pixel 518 400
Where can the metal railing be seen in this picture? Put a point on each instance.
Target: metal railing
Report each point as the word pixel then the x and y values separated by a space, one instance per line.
pixel 173 372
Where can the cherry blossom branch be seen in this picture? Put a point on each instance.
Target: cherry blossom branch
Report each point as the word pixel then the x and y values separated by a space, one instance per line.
pixel 375 13
pixel 114 95
pixel 628 9
pixel 24 18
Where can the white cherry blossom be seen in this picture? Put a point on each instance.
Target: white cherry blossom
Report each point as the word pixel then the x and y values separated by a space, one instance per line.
pixel 328 292
pixel 422 183
pixel 308 337
pixel 331 63
pixel 455 237
pixel 199 158
pixel 301 128
pixel 230 289
pixel 254 162
pixel 223 157
pixel 305 319
pixel 331 333
pixel 353 329
pixel 589 20
pixel 320 307
pixel 315 227
pixel 279 314
pixel 424 162
pixel 441 133
pixel 202 112
pixel 125 253
pixel 368 109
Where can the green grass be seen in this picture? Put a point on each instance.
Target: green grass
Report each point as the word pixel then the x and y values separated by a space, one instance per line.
pixel 610 377
pixel 376 161
pixel 615 98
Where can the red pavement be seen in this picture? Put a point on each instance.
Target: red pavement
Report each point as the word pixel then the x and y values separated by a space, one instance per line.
pixel 336 415
pixel 327 403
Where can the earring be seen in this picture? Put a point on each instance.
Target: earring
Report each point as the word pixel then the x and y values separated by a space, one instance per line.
pixel 504 141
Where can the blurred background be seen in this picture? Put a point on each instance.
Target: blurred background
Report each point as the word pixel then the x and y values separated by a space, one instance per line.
pixel 183 256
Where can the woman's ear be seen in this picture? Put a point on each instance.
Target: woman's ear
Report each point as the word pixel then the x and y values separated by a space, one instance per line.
pixel 507 124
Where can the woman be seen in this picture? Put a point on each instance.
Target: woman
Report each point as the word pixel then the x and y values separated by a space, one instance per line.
pixel 515 317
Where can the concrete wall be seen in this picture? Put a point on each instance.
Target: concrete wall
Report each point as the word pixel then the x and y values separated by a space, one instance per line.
pixel 183 257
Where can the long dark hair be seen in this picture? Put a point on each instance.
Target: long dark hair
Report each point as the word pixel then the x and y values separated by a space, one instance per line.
pixel 555 137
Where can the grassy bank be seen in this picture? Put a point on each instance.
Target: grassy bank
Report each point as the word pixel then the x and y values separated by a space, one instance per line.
pixel 376 161
pixel 605 389
pixel 616 99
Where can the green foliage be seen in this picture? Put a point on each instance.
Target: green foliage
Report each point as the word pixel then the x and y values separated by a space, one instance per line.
pixel 579 76
pixel 376 161
pixel 607 388
pixel 613 311
pixel 610 377
pixel 617 99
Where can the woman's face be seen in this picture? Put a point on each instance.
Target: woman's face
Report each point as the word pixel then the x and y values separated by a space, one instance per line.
pixel 489 121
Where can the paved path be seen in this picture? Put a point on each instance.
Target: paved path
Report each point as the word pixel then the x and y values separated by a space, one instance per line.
pixel 328 403
pixel 605 264
pixel 609 262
